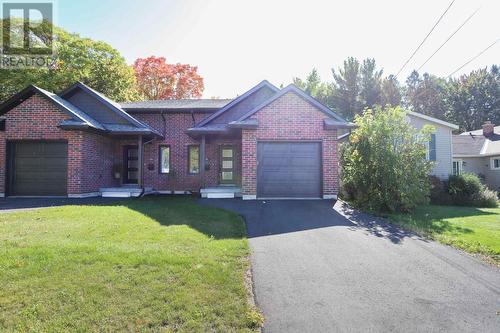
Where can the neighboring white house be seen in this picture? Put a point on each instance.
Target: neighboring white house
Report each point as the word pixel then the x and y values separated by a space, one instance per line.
pixel 441 145
pixel 479 152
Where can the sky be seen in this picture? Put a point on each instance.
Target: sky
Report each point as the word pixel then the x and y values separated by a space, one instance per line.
pixel 237 43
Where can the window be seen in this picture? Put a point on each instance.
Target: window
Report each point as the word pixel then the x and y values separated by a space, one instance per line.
pixel 431 148
pixel 164 159
pixel 457 167
pixel 194 159
pixel 495 163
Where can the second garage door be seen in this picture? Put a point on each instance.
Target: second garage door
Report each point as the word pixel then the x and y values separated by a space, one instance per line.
pixel 38 168
pixel 289 170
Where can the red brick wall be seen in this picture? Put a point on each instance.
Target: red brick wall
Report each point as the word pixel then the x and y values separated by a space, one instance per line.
pixel 88 155
pixel 91 157
pixel 290 118
pixel 175 136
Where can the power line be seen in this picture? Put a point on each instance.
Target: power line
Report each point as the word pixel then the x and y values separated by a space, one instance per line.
pixel 446 41
pixel 474 58
pixel 423 41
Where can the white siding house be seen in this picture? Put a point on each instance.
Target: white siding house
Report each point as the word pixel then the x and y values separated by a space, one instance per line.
pixel 479 152
pixel 441 145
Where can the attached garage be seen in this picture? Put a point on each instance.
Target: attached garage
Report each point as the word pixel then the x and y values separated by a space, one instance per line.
pixel 37 168
pixel 289 170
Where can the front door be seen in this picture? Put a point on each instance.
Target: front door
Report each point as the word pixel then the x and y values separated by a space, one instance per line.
pixel 131 164
pixel 227 165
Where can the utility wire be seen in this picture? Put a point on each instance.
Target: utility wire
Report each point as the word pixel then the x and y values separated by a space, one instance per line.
pixel 423 41
pixel 475 57
pixel 446 41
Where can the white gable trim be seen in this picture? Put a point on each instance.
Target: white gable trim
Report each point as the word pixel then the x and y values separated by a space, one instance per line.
pixel 432 119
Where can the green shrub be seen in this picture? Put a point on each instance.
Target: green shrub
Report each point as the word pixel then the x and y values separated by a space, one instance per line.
pixel 487 199
pixel 439 191
pixel 383 165
pixel 467 190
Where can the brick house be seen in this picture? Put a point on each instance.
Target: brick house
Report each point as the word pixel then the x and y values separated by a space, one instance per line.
pixel 266 143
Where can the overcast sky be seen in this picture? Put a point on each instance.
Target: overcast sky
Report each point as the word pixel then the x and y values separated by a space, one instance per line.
pixel 236 44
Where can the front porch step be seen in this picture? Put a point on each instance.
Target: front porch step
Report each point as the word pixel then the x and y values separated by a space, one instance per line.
pixel 220 192
pixel 124 192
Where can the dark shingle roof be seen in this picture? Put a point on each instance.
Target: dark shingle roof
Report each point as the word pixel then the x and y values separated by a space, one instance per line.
pixel 468 144
pixel 177 104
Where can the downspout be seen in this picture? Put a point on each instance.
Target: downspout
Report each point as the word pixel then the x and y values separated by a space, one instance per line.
pixel 192 117
pixel 143 188
pixel 164 123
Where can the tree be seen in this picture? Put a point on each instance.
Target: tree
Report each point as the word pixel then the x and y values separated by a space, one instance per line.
pixel 156 79
pixel 474 98
pixel 384 166
pixel 346 89
pixel 314 86
pixel 391 91
pixel 77 59
pixel 371 90
pixel 426 95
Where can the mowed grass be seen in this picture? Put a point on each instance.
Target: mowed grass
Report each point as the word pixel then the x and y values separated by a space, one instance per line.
pixel 149 264
pixel 476 230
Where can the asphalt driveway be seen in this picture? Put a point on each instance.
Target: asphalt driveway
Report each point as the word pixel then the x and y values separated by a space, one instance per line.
pixel 319 268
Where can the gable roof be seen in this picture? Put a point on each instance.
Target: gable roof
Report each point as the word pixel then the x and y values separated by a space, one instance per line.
pixel 433 120
pixel 79 118
pixel 237 100
pixel 176 105
pixel 68 108
pixel 112 105
pixel 467 145
pixel 471 145
pixel 293 89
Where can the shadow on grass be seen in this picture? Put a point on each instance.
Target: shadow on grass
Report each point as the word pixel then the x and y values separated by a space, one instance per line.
pixel 432 218
pixel 167 211
pixel 183 210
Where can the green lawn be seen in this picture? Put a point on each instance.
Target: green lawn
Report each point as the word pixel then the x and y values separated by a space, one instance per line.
pixel 150 264
pixel 476 230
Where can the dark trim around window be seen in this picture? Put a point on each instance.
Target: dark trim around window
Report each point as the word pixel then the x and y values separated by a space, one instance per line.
pixel 160 159
pixel 189 159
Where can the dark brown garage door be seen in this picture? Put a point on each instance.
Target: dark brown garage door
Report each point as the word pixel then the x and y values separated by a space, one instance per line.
pixel 289 170
pixel 38 168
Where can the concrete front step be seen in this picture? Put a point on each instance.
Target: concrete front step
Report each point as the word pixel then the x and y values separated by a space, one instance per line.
pixel 220 192
pixel 123 192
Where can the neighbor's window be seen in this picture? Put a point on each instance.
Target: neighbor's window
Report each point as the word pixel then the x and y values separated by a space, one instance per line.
pixel 495 163
pixel 431 148
pixel 457 167
pixel 164 159
pixel 194 159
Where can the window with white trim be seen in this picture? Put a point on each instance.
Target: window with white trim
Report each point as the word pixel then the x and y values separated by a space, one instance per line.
pixel 495 163
pixel 431 148
pixel 164 159
pixel 457 167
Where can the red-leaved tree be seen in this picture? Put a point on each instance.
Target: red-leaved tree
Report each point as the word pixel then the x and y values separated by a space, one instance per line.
pixel 156 79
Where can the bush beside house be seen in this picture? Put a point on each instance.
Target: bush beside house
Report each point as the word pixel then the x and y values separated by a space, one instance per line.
pixel 384 165
pixel 462 190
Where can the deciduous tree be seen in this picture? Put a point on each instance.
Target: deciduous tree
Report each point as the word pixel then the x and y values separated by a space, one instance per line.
pixel 157 79
pixel 76 59
pixel 474 98
pixel 424 94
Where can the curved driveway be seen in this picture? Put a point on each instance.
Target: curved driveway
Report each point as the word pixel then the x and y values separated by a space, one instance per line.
pixel 318 268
